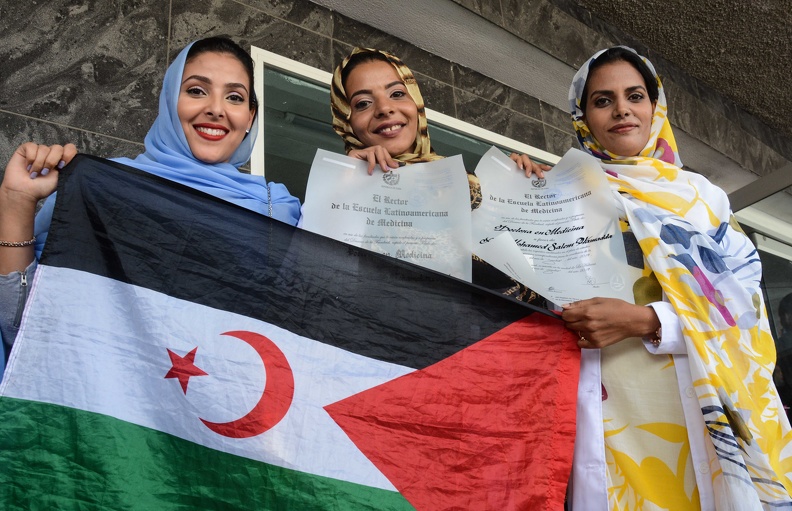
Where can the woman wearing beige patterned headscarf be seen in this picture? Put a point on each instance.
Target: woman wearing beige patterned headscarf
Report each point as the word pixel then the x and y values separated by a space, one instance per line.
pixel 378 110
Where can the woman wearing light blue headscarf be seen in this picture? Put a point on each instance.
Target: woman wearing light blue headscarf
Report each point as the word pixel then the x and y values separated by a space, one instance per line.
pixel 168 155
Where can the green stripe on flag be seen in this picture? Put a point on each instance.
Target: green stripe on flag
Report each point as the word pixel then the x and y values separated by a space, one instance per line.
pixel 53 457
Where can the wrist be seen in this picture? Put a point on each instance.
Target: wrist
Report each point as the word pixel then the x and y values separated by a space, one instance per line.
pixel 651 328
pixel 654 329
pixel 12 201
pixel 17 214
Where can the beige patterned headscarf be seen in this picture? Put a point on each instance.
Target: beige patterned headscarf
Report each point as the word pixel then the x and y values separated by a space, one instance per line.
pixel 421 151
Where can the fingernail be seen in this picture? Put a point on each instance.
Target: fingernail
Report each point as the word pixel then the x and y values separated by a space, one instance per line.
pixel 386 169
pixel 44 171
pixel 33 175
pixel 29 167
pixel 61 164
pixel 402 164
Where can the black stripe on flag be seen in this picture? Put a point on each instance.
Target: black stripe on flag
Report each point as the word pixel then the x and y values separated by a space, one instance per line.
pixel 125 224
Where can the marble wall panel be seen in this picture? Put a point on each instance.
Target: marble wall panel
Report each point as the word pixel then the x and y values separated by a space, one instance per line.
pixel 192 19
pixel 558 142
pixel 711 99
pixel 478 111
pixel 771 161
pixel 16 130
pixel 498 93
pixel 749 152
pixel 90 64
pixel 748 122
pixel 437 95
pixel 354 33
pixel 545 26
pixel 101 66
pixel 300 12
pixel 772 137
pixel 340 51
pixel 732 142
pixel 557 118
pixel 488 9
pixel 681 104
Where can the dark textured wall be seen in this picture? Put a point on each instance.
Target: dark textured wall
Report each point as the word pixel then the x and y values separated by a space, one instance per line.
pixel 89 72
pixel 694 34
pixel 738 47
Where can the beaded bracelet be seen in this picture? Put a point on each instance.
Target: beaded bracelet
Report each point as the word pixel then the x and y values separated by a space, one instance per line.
pixel 17 243
pixel 657 338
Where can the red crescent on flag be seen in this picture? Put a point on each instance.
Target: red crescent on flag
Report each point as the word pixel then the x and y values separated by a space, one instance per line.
pixel 276 398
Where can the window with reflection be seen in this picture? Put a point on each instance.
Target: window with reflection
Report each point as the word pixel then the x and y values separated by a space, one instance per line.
pixel 769 225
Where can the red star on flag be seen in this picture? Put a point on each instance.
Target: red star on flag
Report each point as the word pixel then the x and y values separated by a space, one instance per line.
pixel 184 368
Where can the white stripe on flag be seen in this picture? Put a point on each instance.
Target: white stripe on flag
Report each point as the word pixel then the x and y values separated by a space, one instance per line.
pixel 96 344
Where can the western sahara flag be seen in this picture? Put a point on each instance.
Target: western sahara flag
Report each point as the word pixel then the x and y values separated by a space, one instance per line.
pixel 178 352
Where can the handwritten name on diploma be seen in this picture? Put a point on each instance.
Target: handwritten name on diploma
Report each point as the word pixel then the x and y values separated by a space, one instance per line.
pixel 559 235
pixel 553 246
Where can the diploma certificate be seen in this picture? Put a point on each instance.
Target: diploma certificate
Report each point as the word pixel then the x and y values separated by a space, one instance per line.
pixel 419 213
pixel 559 235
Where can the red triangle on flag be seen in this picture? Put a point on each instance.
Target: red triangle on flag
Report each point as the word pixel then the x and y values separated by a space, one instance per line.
pixel 491 427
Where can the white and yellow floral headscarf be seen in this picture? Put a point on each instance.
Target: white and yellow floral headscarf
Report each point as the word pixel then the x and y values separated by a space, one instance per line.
pixel 710 273
pixel 661 144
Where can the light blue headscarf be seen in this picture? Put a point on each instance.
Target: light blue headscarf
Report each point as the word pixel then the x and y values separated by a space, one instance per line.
pixel 168 155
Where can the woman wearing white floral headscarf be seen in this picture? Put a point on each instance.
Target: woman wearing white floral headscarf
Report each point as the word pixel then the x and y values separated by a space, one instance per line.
pixel 677 408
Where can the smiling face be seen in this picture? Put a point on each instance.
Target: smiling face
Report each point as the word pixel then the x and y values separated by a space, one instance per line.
pixel 382 112
pixel 618 109
pixel 213 106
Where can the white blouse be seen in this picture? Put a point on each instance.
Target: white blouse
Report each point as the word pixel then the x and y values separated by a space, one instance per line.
pixel 588 485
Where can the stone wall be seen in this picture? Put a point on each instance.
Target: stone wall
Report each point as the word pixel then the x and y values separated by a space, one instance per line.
pixel 89 72
pixel 570 33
